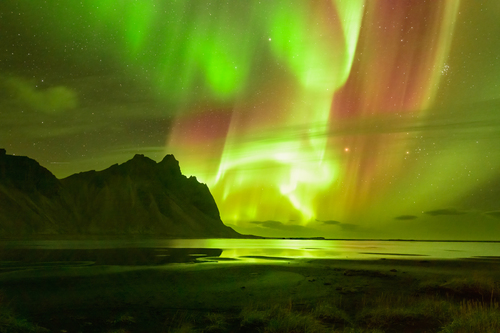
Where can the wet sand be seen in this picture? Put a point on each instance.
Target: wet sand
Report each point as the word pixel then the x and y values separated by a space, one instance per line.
pixel 82 296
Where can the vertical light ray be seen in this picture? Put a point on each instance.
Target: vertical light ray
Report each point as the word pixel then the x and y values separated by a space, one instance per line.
pixel 393 80
pixel 352 15
pixel 139 17
pixel 318 52
pixel 444 36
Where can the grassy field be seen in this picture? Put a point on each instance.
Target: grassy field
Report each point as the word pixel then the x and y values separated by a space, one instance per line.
pixel 273 296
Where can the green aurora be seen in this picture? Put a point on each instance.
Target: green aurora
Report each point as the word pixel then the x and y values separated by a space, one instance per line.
pixel 334 118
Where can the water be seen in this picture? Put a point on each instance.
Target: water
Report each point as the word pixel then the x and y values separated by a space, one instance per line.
pixel 162 251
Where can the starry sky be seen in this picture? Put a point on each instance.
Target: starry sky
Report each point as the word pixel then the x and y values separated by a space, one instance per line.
pixel 333 118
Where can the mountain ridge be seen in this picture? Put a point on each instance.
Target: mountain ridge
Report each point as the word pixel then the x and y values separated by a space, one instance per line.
pixel 137 197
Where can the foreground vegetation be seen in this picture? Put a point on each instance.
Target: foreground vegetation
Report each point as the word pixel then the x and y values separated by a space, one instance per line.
pixel 13 323
pixel 458 305
pixel 425 315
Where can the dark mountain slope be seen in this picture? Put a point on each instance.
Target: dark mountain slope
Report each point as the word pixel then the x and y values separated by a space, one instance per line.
pixel 138 197
pixel 30 198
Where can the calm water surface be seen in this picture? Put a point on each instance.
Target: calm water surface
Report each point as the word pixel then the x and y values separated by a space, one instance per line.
pixel 256 249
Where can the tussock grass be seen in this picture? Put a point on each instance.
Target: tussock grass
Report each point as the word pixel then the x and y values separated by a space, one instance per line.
pixel 254 317
pixel 330 313
pixel 279 318
pixel 181 322
pixel 359 330
pixel 124 318
pixel 119 330
pixel 215 323
pixel 404 312
pixel 184 328
pixel 286 320
pixel 386 313
pixel 473 316
pixel 477 287
pixel 442 312
pixel 12 323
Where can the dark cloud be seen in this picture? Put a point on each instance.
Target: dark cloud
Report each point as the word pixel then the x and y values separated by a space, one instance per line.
pixel 447 211
pixel 330 222
pixel 495 214
pixel 343 226
pixel 406 217
pixel 277 225
pixel 270 224
pixel 348 226
pixel 271 228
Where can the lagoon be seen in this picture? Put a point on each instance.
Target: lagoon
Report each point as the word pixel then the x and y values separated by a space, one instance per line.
pixel 163 251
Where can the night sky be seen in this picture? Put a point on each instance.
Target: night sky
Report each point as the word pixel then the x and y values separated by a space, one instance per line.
pixel 342 119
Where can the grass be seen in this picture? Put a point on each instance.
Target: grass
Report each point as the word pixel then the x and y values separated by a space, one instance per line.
pixel 458 305
pixel 181 322
pixel 11 323
pixel 285 319
pixel 124 318
pixel 330 313
pixel 278 318
pixel 474 316
pixel 215 323
pixel 391 312
pixel 184 328
pixel 384 313
pixel 477 287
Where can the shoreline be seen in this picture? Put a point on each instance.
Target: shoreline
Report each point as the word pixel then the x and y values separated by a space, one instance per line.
pixel 41 237
pixel 98 292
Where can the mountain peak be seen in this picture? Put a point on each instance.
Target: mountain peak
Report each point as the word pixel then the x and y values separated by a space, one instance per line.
pixel 142 166
pixel 140 158
pixel 138 197
pixel 138 165
pixel 170 165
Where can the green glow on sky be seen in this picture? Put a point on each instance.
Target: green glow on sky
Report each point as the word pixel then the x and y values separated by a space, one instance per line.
pixel 139 16
pixel 297 167
pixel 330 116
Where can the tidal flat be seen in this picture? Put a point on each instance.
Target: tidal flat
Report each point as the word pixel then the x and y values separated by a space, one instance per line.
pixel 196 290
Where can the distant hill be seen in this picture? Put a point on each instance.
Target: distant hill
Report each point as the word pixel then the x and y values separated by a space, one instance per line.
pixel 138 197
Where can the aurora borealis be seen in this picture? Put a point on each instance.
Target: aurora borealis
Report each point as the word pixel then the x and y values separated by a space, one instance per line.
pixel 329 118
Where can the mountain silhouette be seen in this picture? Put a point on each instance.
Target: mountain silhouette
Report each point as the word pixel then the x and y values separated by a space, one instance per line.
pixel 138 197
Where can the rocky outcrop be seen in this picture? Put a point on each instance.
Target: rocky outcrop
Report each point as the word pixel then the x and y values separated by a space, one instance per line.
pixel 138 197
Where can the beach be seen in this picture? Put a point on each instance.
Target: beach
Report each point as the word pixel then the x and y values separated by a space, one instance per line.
pixel 84 297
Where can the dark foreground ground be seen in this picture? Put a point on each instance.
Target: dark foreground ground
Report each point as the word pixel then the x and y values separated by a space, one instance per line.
pixel 257 295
